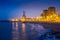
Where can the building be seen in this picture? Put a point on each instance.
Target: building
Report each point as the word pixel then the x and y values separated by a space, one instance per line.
pixel 23 18
pixel 59 16
pixel 51 10
pixel 45 13
pixel 24 14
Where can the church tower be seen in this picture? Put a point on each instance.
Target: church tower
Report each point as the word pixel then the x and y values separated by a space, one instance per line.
pixel 24 16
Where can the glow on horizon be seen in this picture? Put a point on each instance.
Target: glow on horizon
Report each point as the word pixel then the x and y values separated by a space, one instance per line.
pixel 30 12
pixel 33 8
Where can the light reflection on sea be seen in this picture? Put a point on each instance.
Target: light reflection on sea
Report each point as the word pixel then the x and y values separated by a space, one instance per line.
pixel 26 31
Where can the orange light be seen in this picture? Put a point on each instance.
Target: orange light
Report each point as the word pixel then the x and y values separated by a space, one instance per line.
pixel 22 19
pixel 12 19
pixel 16 19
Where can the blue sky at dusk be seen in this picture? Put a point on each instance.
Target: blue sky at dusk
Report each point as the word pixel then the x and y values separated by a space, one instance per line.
pixel 14 8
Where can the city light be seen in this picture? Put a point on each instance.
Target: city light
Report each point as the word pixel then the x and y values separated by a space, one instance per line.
pixel 47 16
pixel 12 19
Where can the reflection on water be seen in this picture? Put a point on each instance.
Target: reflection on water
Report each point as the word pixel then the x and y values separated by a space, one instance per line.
pixel 16 26
pixel 15 32
pixel 13 26
pixel 32 27
pixel 26 31
pixel 23 27
pixel 23 31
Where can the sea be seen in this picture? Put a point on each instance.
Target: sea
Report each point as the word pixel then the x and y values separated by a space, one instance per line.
pixel 26 31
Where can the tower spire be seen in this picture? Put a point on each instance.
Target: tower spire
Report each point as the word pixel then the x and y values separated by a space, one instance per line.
pixel 24 14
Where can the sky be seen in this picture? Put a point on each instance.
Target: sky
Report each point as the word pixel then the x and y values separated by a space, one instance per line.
pixel 10 9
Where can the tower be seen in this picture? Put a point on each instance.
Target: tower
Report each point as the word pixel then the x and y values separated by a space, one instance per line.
pixel 51 10
pixel 45 12
pixel 24 16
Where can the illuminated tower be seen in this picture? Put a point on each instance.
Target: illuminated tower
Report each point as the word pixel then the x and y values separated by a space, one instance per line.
pixel 45 12
pixel 52 10
pixel 24 14
pixel 23 18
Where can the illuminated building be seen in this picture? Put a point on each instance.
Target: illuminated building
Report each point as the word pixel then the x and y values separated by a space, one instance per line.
pixel 23 18
pixel 51 10
pixel 59 15
pixel 42 14
pixel 46 16
pixel 24 14
pixel 45 13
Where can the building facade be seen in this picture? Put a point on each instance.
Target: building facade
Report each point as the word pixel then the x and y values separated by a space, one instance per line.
pixel 52 10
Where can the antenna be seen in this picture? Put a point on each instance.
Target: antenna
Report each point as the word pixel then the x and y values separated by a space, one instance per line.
pixel 24 14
